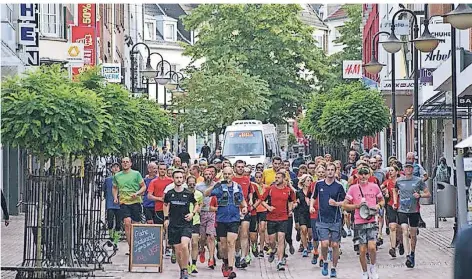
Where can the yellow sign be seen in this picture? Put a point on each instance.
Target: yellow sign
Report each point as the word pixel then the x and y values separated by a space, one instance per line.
pixel 73 51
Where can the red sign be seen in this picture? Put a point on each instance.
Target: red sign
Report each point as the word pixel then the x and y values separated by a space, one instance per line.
pixel 85 35
pixel 86 15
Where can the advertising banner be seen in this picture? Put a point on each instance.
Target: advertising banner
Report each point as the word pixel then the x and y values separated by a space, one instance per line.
pixel 86 14
pixel 352 69
pixel 28 25
pixel 111 72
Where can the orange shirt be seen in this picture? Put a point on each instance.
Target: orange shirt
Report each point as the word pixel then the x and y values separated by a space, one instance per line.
pixel 259 192
pixel 156 188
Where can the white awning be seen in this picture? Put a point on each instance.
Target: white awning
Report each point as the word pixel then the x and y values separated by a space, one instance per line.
pixel 465 143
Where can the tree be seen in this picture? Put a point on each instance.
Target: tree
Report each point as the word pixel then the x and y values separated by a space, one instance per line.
pixel 219 93
pixel 353 111
pixel 48 114
pixel 131 123
pixel 268 41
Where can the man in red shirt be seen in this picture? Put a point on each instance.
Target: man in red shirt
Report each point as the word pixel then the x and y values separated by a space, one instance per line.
pixel 243 238
pixel 156 193
pixel 278 201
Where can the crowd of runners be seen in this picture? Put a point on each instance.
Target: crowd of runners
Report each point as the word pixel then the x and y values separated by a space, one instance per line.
pixel 239 214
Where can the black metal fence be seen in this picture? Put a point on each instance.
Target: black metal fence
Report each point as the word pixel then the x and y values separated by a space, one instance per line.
pixel 64 231
pixel 339 152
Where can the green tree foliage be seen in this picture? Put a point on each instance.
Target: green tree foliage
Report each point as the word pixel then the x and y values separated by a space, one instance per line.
pixel 132 123
pixel 218 94
pixel 351 112
pixel 45 112
pixel 267 41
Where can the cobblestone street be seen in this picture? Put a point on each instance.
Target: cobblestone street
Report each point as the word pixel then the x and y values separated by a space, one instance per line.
pixel 433 258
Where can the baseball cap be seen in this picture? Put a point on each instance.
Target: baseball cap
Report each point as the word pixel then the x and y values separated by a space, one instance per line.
pixel 408 164
pixel 216 161
pixel 115 163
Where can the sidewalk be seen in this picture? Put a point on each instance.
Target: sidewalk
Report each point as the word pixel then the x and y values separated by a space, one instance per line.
pixel 433 258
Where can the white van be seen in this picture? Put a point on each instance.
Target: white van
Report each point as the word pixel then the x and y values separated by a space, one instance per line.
pixel 250 141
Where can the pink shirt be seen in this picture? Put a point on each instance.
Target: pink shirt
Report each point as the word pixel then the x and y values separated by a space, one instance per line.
pixel 371 193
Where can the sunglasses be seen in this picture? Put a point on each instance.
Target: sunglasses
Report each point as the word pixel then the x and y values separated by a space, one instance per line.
pixel 364 171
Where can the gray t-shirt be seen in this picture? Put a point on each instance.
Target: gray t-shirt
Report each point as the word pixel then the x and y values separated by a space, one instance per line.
pixel 202 187
pixel 380 175
pixel 406 188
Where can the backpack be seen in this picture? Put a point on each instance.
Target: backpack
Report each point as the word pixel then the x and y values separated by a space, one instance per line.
pixel 442 174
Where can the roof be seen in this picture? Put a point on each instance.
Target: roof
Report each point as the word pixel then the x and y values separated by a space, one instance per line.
pixel 339 13
pixel 310 16
pixel 175 11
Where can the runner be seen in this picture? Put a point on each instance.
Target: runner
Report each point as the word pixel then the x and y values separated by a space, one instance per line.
pixel 179 219
pixel 191 183
pixel 268 176
pixel 207 221
pixel 303 209
pixel 242 245
pixel 388 190
pixel 130 184
pixel 330 195
pixel 149 205
pixel 380 175
pixel 113 209
pixel 278 201
pixel 410 189
pixel 229 199
pixel 365 193
pixel 261 214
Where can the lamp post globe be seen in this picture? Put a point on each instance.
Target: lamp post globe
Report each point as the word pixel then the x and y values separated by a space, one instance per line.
pixel 461 17
pixel 427 42
pixel 149 72
pixel 392 44
pixel 373 67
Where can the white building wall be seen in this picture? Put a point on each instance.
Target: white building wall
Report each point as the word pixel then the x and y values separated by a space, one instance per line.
pixel 333 35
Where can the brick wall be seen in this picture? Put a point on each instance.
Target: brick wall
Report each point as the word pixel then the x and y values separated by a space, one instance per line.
pixel 439 9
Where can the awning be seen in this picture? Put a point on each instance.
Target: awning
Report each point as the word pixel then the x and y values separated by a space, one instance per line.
pixel 465 143
pixel 438 107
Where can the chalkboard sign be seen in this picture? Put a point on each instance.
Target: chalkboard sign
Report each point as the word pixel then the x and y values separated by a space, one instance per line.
pixel 146 246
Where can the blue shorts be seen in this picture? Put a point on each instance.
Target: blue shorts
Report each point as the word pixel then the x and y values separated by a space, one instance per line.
pixel 313 229
pixel 329 231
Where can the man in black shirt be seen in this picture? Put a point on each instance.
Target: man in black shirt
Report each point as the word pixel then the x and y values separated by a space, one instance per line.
pixel 205 151
pixel 179 219
pixel 184 156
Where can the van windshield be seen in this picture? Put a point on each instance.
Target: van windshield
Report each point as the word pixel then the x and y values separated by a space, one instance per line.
pixel 243 143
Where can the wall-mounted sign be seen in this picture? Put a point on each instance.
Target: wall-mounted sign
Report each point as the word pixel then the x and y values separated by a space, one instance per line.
pixel 426 75
pixel 28 25
pixel 464 101
pixel 400 84
pixel 111 72
pixel 352 69
pixel 75 53
pixel 86 14
pixel 433 59
pixel 402 26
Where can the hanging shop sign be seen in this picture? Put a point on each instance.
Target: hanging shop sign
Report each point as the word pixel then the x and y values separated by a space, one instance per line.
pixel 28 25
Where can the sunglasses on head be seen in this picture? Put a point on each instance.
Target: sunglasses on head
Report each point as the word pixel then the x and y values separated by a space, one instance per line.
pixel 364 171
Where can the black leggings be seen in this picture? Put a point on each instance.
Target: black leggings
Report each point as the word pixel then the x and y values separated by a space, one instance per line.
pixel 288 232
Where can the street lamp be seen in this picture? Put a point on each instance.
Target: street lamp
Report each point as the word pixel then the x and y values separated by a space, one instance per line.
pixel 148 72
pixel 461 17
pixel 425 43
pixel 162 77
pixel 374 67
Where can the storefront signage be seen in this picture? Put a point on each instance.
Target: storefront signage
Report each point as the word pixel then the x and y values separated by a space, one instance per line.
pixel 433 59
pixel 426 76
pixel 75 54
pixel 28 25
pixel 86 14
pixel 464 101
pixel 400 84
pixel 111 72
pixel 352 69
pixel 402 27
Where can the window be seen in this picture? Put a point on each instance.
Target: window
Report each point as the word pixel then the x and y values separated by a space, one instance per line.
pixel 169 32
pixel 337 34
pixel 8 14
pixel 243 143
pixel 150 30
pixel 50 20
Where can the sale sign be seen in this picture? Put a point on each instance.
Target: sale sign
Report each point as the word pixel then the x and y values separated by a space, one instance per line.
pixel 86 14
pixel 86 36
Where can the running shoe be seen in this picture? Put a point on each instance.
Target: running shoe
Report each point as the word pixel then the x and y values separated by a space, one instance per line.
pixel 280 266
pixel 211 263
pixel 266 248
pixel 401 249
pixel 261 254
pixel 242 263
pixel 271 257
pixel 310 246
pixel 392 252
pixel 314 260
pixel 380 242
pixel 248 259
pixel 173 258
pixel 373 272
pixel 305 253
pixel 333 273
pixel 192 268
pixel 254 248
pixel 291 249
pixel 300 249
pixel 324 270
pixel 231 274
pixel 410 261
pixel 237 263
pixel 365 275
pixel 184 274
pixel 321 262
pixel 225 270
pixel 284 260
pixel 202 255
pixel 168 252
